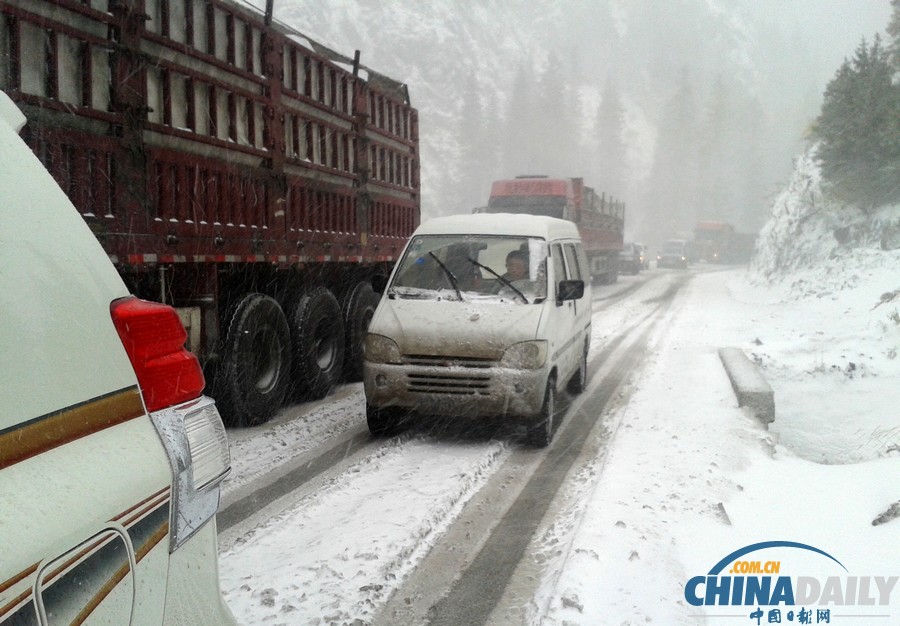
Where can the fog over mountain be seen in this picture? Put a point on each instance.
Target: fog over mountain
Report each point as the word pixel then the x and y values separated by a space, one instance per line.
pixel 685 110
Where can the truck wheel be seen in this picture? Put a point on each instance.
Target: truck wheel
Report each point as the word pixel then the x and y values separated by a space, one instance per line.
pixel 540 431
pixel 384 421
pixel 317 336
pixel 254 375
pixel 579 379
pixel 358 306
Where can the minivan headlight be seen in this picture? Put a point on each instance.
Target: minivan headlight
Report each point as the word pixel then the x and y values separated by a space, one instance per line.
pixel 527 355
pixel 381 349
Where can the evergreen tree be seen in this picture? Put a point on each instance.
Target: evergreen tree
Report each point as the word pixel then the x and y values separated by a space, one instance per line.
pixel 554 126
pixel 715 142
pixel 608 170
pixel 859 130
pixel 671 195
pixel 475 153
pixel 750 208
pixel 517 143
pixel 893 31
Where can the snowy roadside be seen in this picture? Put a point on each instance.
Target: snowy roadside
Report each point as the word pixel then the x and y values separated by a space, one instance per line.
pixel 691 478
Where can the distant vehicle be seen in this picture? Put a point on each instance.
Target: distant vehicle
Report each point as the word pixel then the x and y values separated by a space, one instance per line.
pixel 673 254
pixel 111 457
pixel 711 241
pixel 464 330
pixel 600 220
pixel 230 167
pixel 645 255
pixel 630 259
pixel 719 242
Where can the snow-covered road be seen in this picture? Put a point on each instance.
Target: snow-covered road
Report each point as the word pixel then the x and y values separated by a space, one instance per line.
pixel 665 485
pixel 351 536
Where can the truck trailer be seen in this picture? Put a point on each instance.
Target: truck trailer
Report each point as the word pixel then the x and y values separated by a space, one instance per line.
pixel 231 167
pixel 600 220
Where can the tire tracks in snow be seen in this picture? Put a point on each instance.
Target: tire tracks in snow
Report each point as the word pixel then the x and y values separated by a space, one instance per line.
pixel 471 574
pixel 306 480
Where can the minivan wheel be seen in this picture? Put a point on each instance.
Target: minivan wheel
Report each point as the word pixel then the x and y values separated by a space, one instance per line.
pixel 540 431
pixel 384 421
pixel 253 378
pixel 579 379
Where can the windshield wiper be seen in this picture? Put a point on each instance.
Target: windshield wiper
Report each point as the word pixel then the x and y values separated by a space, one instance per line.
pixel 449 274
pixel 499 277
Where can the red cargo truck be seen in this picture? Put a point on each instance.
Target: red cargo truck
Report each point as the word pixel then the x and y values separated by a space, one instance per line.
pixel 711 241
pixel 230 167
pixel 719 242
pixel 600 220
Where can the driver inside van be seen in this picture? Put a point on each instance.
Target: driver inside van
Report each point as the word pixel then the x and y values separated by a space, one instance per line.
pixel 516 266
pixel 516 271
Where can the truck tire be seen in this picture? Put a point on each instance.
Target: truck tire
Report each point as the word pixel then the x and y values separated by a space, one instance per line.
pixel 254 375
pixel 542 427
pixel 358 306
pixel 317 337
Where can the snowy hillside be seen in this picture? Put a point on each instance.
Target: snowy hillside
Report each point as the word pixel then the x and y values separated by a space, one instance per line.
pixel 806 230
pixel 840 267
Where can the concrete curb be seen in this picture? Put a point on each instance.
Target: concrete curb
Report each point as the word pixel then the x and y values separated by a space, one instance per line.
pixel 750 387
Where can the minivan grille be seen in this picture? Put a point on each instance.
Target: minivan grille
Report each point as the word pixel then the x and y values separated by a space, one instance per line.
pixel 446 361
pixel 448 384
pixel 462 375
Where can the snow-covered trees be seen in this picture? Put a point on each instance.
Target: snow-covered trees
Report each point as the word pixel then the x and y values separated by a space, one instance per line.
pixel 859 129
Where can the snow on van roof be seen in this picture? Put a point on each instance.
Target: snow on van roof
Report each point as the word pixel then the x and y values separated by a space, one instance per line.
pixel 500 224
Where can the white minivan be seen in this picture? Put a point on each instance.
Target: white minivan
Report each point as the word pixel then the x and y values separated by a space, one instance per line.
pixel 483 315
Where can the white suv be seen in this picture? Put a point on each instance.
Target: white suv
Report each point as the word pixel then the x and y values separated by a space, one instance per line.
pixel 110 456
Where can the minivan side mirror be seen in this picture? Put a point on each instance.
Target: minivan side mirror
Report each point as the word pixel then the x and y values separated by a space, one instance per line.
pixel 379 282
pixel 569 290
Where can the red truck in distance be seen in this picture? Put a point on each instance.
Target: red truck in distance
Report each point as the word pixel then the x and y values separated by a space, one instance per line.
pixel 600 220
pixel 719 242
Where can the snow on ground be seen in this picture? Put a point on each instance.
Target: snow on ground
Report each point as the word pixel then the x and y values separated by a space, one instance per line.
pixel 691 478
pixel 258 450
pixel 334 556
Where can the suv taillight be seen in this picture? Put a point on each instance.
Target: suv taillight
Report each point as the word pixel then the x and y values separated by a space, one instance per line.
pixel 154 340
pixel 188 423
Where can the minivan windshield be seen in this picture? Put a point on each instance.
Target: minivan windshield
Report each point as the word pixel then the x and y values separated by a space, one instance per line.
pixel 473 267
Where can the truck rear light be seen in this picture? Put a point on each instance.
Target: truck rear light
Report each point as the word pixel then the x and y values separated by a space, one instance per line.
pixel 154 340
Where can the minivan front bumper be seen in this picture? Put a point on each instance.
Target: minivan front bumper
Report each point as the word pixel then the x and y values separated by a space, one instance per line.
pixel 452 389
